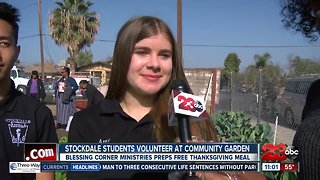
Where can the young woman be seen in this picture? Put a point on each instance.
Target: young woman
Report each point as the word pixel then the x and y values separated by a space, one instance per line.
pixel 35 87
pixel 145 62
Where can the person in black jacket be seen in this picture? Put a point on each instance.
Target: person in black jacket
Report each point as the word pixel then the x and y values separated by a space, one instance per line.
pixel 90 92
pixel 22 119
pixel 307 137
pixel 35 87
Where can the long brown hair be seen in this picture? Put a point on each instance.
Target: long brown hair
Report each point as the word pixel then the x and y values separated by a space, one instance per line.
pixel 133 31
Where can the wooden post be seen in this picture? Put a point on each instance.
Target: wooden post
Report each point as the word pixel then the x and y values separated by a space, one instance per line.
pixel 213 91
pixel 40 34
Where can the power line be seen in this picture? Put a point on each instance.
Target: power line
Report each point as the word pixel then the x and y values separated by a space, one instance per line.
pixel 211 45
pixel 105 40
pixel 233 46
pixel 249 46
pixel 28 36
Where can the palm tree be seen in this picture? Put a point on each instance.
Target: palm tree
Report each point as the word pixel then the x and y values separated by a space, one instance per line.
pixel 72 25
pixel 262 61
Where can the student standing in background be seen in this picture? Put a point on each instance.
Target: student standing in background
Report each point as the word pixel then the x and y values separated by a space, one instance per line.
pixel 90 92
pixel 35 87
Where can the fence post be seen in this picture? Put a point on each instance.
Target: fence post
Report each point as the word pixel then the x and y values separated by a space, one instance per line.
pixel 260 95
pixel 231 108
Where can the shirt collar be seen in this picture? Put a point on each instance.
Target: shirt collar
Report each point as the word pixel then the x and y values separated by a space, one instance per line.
pixel 111 106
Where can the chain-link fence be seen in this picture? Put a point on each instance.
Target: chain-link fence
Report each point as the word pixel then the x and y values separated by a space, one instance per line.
pixel 265 98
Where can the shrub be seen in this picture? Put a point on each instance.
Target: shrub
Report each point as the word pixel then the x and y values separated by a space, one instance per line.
pixel 236 127
pixel 62 175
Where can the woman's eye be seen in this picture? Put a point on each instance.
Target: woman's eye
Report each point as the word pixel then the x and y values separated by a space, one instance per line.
pixel 165 55
pixel 141 53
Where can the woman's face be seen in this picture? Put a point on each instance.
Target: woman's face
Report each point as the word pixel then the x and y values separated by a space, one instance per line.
pixel 64 73
pixel 151 65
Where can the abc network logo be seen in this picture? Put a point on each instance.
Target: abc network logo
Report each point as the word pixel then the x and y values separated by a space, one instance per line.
pixel 279 152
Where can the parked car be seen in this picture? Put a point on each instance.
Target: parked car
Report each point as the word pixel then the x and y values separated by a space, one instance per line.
pixel 244 89
pixel 49 89
pixel 20 78
pixel 289 103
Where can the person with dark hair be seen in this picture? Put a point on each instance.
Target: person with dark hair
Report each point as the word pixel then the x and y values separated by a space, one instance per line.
pixel 23 119
pixel 307 137
pixel 91 93
pixel 35 87
pixel 65 97
pixel 302 16
pixel 136 107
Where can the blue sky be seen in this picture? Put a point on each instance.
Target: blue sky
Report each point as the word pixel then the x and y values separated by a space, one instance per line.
pixel 211 30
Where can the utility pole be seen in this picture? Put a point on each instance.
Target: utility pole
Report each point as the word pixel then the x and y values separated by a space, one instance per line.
pixel 40 33
pixel 179 28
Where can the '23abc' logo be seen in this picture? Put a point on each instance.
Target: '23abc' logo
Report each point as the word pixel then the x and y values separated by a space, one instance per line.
pixel 189 104
pixel 279 152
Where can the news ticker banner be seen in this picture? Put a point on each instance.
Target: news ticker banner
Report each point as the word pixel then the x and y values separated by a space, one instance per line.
pixel 36 167
pixel 179 152
pixel 191 152
pixel 160 152
pixel 147 157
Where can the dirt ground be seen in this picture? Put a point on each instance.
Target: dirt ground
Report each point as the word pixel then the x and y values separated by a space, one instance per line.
pixel 60 132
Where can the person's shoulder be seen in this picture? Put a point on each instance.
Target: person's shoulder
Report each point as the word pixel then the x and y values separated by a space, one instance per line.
pixel 92 110
pixel 308 130
pixel 312 118
pixel 23 98
pixel 104 106
pixel 92 86
pixel 30 102
pixel 71 78
pixel 40 80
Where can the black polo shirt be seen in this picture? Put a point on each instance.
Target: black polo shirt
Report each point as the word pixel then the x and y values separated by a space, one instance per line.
pixel 106 122
pixel 22 119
